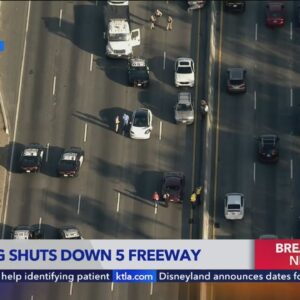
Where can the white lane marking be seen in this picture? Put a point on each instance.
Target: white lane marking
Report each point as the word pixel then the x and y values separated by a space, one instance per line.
pixel 255 100
pixel 91 62
pixel 96 3
pixel 254 172
pixel 291 164
pixel 85 132
pixel 47 151
pixel 16 123
pixel 164 63
pixel 78 206
pixel 118 202
pixel 256 31
pixel 291 97
pixel 112 287
pixel 31 298
pixel 291 30
pixel 40 223
pixel 54 85
pixel 60 17
pixel 4 114
pixel 155 208
pixel 71 288
pixel 151 288
pixel 160 129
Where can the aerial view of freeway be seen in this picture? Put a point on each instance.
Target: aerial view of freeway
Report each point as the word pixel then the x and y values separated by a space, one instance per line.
pixel 149 120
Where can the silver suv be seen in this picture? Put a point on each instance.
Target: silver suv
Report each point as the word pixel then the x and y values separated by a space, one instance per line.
pixel 184 110
pixel 234 206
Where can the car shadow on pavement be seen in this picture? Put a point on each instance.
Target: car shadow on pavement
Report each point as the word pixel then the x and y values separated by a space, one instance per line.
pixel 86 30
pixel 115 69
pixel 166 76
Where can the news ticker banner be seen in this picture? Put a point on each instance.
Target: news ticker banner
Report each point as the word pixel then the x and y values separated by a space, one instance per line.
pixel 150 255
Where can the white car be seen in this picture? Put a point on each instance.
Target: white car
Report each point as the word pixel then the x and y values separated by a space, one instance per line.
pixel 117 2
pixel 141 124
pixel 184 72
pixel 234 206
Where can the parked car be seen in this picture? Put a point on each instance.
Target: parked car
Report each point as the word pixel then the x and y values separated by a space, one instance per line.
pixel 138 72
pixel 275 14
pixel 236 80
pixel 31 158
pixel 234 206
pixel 141 124
pixel 70 162
pixel 173 184
pixel 184 110
pixel 70 232
pixel 184 72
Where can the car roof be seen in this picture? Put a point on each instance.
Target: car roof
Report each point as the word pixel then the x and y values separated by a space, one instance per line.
pixel 234 198
pixel 21 232
pixel 137 62
pixel 185 98
pixel 118 26
pixel 275 6
pixel 174 174
pixel 70 232
pixel 184 61
pixel 268 138
pixel 236 73
pixel 31 152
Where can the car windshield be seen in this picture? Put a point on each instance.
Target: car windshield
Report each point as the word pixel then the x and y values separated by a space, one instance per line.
pixel 140 121
pixel 118 37
pixel 184 70
pixel 236 82
pixel 234 207
pixel 183 107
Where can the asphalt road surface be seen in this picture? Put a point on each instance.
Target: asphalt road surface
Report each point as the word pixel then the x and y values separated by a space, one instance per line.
pixel 70 95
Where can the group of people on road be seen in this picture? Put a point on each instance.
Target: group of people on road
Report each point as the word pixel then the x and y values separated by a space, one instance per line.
pixel 165 198
pixel 154 18
pixel 125 123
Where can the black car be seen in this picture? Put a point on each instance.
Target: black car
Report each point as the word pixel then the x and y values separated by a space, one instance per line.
pixel 268 148
pixel 31 158
pixel 235 6
pixel 173 184
pixel 70 162
pixel 138 72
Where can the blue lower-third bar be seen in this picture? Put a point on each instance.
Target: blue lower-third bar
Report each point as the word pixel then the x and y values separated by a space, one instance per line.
pixel 134 276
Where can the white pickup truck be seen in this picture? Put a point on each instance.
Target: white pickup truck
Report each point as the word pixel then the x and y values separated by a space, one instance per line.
pixel 120 40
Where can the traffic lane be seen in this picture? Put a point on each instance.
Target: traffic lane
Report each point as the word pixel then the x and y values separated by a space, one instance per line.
pixel 13 21
pixel 236 126
pixel 32 125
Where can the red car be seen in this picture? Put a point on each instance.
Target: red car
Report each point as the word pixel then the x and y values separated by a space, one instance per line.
pixel 275 14
pixel 173 184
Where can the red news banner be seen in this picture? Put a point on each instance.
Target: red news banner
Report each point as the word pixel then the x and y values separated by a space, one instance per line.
pixel 277 255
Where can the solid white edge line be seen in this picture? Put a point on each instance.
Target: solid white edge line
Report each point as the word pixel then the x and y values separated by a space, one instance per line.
pixel 16 123
pixel 96 3
pixel 118 202
pixel 54 85
pixel 151 288
pixel 155 208
pixel 91 62
pixel 71 288
pixel 40 223
pixel 256 31
pixel 160 130
pixel 291 97
pixel 291 30
pixel 47 151
pixel 164 63
pixel 78 205
pixel 254 172
pixel 112 287
pixel 255 100
pixel 291 164
pixel 85 132
pixel 60 17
